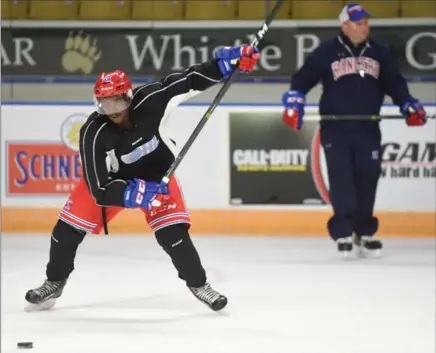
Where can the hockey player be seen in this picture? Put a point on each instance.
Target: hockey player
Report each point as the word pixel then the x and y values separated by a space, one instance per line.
pixel 128 128
pixel 356 73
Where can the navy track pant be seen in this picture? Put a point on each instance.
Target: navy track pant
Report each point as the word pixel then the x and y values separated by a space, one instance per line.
pixel 354 165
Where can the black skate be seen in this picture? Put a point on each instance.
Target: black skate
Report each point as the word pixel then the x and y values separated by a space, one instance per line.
pixel 345 246
pixel 44 297
pixel 368 245
pixel 207 295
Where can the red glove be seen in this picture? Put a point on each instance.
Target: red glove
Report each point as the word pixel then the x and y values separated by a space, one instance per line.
pixel 294 102
pixel 293 119
pixel 249 58
pixel 416 118
pixel 414 112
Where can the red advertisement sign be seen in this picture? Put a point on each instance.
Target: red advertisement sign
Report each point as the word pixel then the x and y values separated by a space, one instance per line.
pixel 42 168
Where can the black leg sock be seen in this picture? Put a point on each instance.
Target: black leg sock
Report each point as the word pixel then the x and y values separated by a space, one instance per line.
pixel 65 240
pixel 177 243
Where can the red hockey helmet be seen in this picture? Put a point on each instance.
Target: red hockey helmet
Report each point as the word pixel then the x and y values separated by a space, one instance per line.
pixel 113 92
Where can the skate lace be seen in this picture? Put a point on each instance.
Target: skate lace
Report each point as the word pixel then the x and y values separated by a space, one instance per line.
pixel 48 288
pixel 206 293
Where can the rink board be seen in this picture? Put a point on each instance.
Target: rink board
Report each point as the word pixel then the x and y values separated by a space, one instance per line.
pixel 231 222
pixel 246 173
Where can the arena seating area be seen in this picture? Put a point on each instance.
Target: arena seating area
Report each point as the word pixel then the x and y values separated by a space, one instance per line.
pixel 203 9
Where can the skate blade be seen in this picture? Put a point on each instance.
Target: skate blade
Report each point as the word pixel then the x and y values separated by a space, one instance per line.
pixel 364 253
pixel 346 255
pixel 47 305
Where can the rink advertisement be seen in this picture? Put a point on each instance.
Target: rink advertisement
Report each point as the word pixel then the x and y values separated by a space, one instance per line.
pixel 49 165
pixel 42 169
pixel 411 159
pixel 275 178
pixel 252 158
pixel 150 52
pixel 270 163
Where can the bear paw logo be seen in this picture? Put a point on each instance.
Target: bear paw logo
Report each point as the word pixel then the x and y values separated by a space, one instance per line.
pixel 81 53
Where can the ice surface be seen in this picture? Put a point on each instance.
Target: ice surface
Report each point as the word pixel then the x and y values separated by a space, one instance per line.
pixel 285 295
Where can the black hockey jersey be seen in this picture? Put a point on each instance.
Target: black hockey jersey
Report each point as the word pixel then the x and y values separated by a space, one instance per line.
pixel 144 151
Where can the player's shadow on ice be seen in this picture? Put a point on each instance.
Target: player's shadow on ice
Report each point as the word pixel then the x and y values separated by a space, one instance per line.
pixel 104 323
pixel 115 320
pixel 145 307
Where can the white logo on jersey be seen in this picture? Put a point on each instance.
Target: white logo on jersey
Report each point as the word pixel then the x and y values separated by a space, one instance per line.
pixel 141 151
pixel 349 66
pixel 163 208
pixel 112 163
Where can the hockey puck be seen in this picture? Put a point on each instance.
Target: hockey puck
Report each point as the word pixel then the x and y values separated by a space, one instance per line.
pixel 25 345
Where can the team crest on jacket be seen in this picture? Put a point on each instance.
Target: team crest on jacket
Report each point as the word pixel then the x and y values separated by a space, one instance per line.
pixel 349 66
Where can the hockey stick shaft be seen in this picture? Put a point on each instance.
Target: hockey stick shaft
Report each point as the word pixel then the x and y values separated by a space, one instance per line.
pixel 367 117
pixel 255 42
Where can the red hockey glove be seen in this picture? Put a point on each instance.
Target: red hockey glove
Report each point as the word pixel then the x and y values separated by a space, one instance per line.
pixel 244 56
pixel 294 102
pixel 293 119
pixel 416 118
pixel 414 112
pixel 249 59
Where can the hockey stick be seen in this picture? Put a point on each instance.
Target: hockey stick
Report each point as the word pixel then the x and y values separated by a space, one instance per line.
pixel 368 117
pixel 254 43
